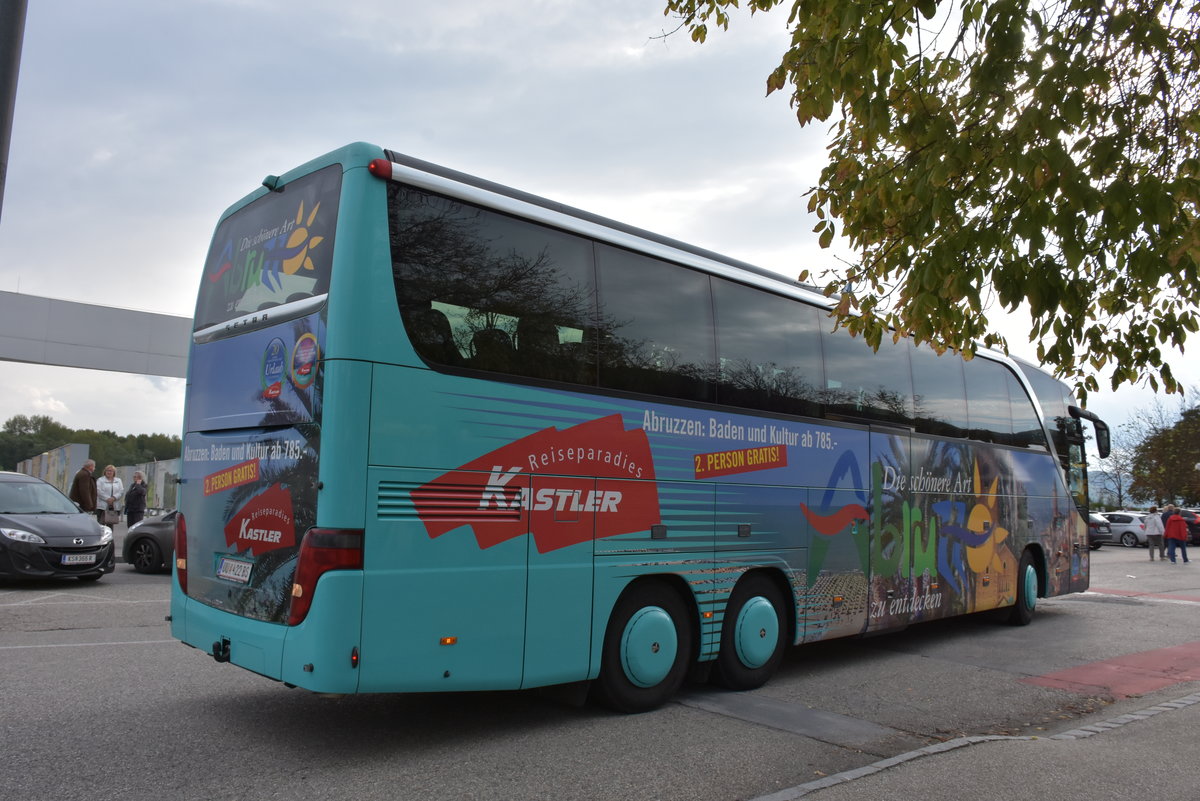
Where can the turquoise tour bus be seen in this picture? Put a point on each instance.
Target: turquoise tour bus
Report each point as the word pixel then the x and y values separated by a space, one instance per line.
pixel 444 435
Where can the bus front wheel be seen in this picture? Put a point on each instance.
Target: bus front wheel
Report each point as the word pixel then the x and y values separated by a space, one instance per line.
pixel 752 636
pixel 647 647
pixel 1027 592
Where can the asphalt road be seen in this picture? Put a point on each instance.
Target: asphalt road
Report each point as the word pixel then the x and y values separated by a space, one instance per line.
pixel 98 702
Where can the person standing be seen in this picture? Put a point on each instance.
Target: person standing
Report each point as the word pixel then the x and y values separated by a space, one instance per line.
pixel 83 487
pixel 109 490
pixel 1176 535
pixel 135 500
pixel 1154 533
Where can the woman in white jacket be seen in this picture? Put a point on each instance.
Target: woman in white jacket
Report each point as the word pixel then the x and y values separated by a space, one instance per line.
pixel 109 490
pixel 1154 533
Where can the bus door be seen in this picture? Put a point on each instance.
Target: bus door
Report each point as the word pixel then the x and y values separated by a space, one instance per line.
pixel 444 581
pixel 892 589
pixel 558 616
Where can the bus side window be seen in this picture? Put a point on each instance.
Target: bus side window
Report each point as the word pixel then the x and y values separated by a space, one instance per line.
pixel 987 401
pixel 1027 427
pixel 658 326
pixel 860 382
pixel 939 394
pixel 770 350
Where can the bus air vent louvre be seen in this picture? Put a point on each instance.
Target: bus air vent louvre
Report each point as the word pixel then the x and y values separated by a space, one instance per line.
pixel 408 500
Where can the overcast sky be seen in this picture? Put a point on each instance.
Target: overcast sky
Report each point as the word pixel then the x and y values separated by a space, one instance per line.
pixel 139 121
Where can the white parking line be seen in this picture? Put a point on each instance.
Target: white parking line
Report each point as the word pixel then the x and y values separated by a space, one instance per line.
pixel 73 599
pixel 85 644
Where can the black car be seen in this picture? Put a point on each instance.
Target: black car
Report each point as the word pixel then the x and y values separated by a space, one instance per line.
pixel 1099 531
pixel 1192 518
pixel 150 544
pixel 43 534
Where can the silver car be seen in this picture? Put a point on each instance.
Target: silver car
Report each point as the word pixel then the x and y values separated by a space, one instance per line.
pixel 1127 528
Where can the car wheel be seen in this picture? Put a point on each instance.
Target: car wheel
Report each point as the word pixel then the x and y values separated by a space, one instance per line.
pixel 1095 546
pixel 647 648
pixel 145 556
pixel 1129 539
pixel 753 636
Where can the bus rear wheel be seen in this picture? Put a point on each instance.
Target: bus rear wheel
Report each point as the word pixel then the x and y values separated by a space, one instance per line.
pixel 753 635
pixel 647 648
pixel 1027 592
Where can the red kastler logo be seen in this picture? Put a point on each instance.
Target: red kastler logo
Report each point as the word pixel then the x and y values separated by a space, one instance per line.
pixel 263 524
pixel 608 488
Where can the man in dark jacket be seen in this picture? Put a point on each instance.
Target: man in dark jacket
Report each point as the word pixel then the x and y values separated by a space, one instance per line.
pixel 83 488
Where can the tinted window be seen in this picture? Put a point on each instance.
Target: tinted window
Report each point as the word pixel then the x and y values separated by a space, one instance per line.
pixel 1027 426
pixel 770 350
pixel 656 326
pixel 987 401
pixel 1054 397
pixel 483 290
pixel 860 382
pixel 939 393
pixel 274 251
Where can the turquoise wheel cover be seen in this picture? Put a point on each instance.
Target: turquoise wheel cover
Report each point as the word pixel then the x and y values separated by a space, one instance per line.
pixel 756 632
pixel 1030 587
pixel 649 645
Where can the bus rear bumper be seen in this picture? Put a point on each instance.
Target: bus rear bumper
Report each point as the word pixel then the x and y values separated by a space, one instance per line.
pixel 320 654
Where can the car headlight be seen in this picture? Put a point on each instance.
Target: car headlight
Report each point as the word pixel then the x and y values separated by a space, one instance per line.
pixel 135 525
pixel 22 536
pixel 105 535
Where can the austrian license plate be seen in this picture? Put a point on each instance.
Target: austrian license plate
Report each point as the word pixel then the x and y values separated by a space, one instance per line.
pixel 234 569
pixel 79 558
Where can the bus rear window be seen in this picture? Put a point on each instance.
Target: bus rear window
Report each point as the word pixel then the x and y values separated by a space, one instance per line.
pixel 275 251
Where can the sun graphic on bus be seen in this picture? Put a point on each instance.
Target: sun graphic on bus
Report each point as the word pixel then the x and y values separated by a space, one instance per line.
pixel 301 243
pixel 986 534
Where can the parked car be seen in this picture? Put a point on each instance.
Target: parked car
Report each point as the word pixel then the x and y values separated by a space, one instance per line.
pixel 150 544
pixel 1099 531
pixel 1127 528
pixel 43 534
pixel 1192 516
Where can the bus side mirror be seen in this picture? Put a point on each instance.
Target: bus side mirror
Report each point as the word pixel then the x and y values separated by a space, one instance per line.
pixel 1103 440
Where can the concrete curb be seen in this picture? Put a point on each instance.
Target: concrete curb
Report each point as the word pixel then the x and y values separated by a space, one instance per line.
pixel 802 790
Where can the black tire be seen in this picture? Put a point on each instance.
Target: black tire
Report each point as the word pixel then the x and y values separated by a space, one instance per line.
pixel 641 668
pixel 753 636
pixel 1095 546
pixel 1129 539
pixel 146 556
pixel 1027 591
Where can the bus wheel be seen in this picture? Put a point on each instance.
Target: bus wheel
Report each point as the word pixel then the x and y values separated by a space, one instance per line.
pixel 1027 592
pixel 647 647
pixel 753 635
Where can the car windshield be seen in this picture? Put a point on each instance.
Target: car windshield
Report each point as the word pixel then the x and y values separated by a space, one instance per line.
pixel 32 498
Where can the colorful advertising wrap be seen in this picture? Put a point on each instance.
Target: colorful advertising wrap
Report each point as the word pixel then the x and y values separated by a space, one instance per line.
pixel 497 483
pixel 257 493
pixel 867 516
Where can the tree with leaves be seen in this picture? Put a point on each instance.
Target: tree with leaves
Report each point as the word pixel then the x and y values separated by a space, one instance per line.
pixel 989 154
pixel 1115 479
pixel 23 437
pixel 1164 466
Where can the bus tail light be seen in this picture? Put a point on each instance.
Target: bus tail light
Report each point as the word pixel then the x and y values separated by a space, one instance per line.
pixel 322 550
pixel 380 168
pixel 181 551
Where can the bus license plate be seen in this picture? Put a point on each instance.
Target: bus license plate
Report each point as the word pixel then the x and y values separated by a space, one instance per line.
pixel 79 558
pixel 234 570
